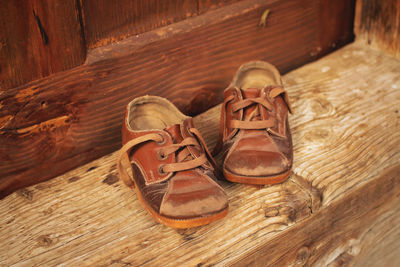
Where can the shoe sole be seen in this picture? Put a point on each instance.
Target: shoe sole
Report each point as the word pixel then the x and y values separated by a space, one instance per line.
pixel 257 180
pixel 178 223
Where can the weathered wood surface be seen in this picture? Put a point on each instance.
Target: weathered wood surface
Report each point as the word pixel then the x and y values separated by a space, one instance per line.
pixel 106 21
pixel 334 19
pixel 38 38
pixel 205 5
pixel 52 125
pixel 360 229
pixel 109 21
pixel 377 23
pixel 341 206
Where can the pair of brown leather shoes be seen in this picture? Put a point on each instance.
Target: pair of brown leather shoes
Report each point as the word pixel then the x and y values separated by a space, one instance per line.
pixel 168 163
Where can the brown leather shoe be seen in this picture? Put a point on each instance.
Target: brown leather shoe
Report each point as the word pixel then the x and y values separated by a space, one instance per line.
pixel 165 158
pixel 254 129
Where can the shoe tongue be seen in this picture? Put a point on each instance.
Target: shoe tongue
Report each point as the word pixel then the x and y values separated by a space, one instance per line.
pixel 175 132
pixel 251 93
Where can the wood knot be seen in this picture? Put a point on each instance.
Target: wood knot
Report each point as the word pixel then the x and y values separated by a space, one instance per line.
pixel 344 255
pixel 73 179
pixel 91 168
pixel 44 240
pixel 111 179
pixel 292 214
pixel 302 256
pixel 318 134
pixel 320 105
pixel 271 212
pixel 25 193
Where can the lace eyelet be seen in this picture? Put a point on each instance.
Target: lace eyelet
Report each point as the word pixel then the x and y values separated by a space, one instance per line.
pixel 163 140
pixel 161 170
pixel 161 156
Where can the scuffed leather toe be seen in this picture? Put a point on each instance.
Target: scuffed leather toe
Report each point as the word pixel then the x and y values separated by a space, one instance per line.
pixel 256 163
pixel 254 135
pixel 165 158
pixel 191 195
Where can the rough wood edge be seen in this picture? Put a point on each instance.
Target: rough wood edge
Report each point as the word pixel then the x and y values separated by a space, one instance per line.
pixel 320 234
pixel 128 45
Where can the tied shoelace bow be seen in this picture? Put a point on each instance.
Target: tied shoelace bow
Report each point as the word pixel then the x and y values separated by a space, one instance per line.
pixel 183 156
pixel 253 121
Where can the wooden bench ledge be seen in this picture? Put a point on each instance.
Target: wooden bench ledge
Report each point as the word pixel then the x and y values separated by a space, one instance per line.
pixel 341 204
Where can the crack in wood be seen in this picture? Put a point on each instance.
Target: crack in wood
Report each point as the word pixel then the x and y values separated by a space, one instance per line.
pixel 314 193
pixel 79 11
pixel 43 33
pixel 48 124
pixel 3 128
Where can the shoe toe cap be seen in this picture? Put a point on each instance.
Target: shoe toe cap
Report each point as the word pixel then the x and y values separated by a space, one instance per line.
pixel 256 163
pixel 193 198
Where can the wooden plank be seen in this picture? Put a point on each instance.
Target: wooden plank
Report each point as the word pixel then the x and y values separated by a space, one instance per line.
pixel 336 24
pixel 81 120
pixel 339 120
pixel 38 38
pixel 377 24
pixel 347 233
pixel 109 21
pixel 205 5
pixel 334 118
pixel 103 223
pixel 341 136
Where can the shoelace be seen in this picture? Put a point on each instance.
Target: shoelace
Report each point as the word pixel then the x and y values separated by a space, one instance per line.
pixel 182 162
pixel 248 123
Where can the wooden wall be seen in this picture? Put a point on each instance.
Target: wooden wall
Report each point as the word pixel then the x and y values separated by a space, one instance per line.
pixel 107 21
pixel 58 122
pixel 377 23
pixel 40 37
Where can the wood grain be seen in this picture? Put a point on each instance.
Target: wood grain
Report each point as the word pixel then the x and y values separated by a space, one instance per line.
pixel 348 232
pixel 339 120
pixel 38 38
pixel 337 24
pixel 103 223
pixel 339 207
pixel 52 125
pixel 205 5
pixel 109 21
pixel 377 24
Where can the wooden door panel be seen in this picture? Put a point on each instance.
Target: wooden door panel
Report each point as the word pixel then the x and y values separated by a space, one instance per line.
pixel 108 21
pixel 38 38
pixel 205 5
